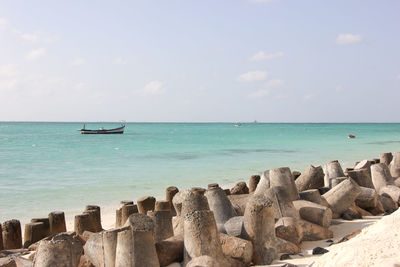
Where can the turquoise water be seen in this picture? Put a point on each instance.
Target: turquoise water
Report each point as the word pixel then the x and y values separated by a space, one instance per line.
pixel 51 166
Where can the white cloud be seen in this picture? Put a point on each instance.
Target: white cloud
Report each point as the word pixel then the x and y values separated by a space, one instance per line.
pixel 119 61
pixel 3 23
pixel 9 70
pixel 339 88
pixel 77 61
pixel 152 88
pixel 259 93
pixel 274 83
pixel 308 97
pixel 253 76
pixel 36 53
pixel 348 38
pixel 30 37
pixel 263 56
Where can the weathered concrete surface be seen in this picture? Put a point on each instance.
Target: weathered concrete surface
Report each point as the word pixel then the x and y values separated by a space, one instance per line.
pixel 342 196
pixel 259 226
pixel 386 158
pixel 367 199
pixel 311 178
pixel 146 204
pixel 312 195
pixel 100 248
pixel 162 224
pixel 283 177
pixel 253 182
pixel 314 212
pixel 61 250
pixel 34 232
pixel 136 248
pixel 239 203
pixel 201 237
pixel 57 222
pixel 263 184
pixel 395 165
pixel 11 234
pixel 170 250
pixel 362 177
pixel 381 176
pixel 220 205
pixel 240 188
pixel 236 248
pixel 332 170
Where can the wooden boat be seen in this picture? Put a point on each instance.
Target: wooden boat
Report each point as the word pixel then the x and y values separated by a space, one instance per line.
pixel 119 130
pixel 351 136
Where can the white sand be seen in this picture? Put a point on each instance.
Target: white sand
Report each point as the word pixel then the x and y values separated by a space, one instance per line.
pixel 378 244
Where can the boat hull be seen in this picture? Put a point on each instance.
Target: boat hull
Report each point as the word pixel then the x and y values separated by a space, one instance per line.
pixel 119 130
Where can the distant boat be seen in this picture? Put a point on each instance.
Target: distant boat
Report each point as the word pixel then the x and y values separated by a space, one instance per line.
pixel 351 136
pixel 119 130
pixel 238 124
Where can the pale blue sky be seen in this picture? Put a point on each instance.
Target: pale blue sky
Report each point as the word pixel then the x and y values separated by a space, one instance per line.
pixel 200 60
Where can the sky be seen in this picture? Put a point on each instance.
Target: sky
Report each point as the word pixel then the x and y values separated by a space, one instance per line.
pixel 200 60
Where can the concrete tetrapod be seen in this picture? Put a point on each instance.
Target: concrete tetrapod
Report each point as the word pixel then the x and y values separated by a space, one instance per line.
pixel 170 192
pixel 61 250
pixel 170 250
pixel 57 222
pixel 118 212
pixel 136 248
pixel 368 198
pixel 11 233
pixel 236 248
pixel 202 238
pixel 395 165
pixel 101 248
pixel 83 222
pixel 263 184
pixel 283 177
pixel 283 206
pixel 146 204
pixel 34 232
pixel 253 182
pixel 381 176
pixel 220 205
pixel 259 227
pixel 135 243
pixel 312 195
pixel 162 224
pixel 342 196
pixel 46 225
pixel 95 217
pixel 162 205
pixel 239 188
pixel 311 178
pixel 126 211
pixel 362 177
pixel 313 212
pixel 386 158
pixel 239 203
pixel 332 170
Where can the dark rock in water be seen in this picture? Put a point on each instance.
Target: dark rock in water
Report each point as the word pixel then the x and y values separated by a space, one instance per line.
pixel 319 250
pixel 323 190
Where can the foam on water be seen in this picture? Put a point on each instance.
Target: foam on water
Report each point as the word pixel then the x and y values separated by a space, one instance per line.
pixel 50 166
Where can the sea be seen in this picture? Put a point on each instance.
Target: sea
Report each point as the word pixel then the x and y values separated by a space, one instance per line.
pixel 47 166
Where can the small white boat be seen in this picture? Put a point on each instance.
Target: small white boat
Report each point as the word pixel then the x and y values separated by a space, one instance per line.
pixel 351 136
pixel 238 124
